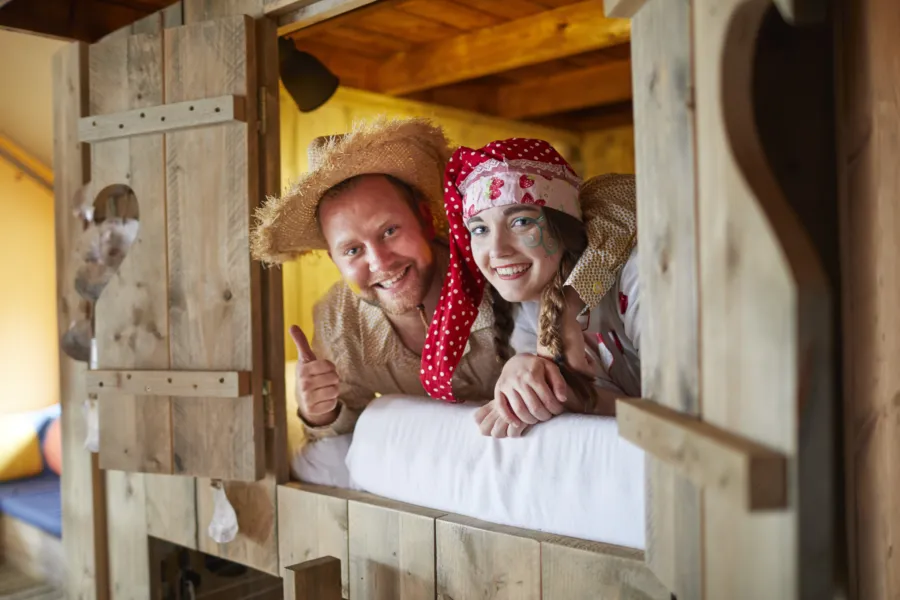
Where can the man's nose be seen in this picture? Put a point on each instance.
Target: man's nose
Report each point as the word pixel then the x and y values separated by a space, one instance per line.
pixel 380 258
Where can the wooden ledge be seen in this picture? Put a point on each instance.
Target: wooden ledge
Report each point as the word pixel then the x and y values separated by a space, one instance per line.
pixel 201 384
pixel 751 474
pixel 162 118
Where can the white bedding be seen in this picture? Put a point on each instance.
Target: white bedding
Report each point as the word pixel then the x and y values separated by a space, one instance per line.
pixel 572 475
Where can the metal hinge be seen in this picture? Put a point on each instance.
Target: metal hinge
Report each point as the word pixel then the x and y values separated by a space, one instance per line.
pixel 261 103
pixel 268 404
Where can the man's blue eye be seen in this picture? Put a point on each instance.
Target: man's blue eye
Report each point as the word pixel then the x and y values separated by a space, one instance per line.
pixel 390 231
pixel 351 251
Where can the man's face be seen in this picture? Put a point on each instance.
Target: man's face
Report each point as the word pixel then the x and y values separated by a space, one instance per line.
pixel 378 244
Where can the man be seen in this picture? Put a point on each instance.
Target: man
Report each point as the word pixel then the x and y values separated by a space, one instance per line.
pixel 373 199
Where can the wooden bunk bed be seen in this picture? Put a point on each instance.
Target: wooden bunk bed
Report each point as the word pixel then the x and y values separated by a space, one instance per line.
pixel 737 415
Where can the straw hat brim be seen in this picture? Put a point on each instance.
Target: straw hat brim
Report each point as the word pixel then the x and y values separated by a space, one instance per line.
pixel 413 150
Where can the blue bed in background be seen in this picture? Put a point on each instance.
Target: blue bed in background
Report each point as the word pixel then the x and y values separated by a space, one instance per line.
pixel 31 517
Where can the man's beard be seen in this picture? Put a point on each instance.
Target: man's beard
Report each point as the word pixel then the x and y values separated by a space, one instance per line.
pixel 403 302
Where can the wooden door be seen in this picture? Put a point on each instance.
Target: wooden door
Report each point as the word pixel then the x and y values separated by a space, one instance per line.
pixel 736 364
pixel 179 378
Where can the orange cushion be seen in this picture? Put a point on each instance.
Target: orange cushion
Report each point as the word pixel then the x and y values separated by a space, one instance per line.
pixel 53 446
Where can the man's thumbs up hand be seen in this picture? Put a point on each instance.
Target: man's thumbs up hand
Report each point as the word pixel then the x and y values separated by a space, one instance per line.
pixel 317 383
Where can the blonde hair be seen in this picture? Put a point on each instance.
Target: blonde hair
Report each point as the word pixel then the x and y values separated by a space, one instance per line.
pixel 571 235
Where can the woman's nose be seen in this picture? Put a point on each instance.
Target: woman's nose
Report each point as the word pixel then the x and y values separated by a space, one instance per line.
pixel 500 246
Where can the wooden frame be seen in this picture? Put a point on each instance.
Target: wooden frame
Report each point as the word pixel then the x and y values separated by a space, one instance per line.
pixel 388 549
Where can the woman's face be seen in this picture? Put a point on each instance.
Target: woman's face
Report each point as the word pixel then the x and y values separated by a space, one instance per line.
pixel 513 248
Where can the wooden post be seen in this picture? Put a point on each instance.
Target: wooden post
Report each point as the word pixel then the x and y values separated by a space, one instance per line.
pixel 869 119
pixel 316 579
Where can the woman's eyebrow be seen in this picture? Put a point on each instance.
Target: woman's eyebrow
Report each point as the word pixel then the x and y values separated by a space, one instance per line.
pixel 479 219
pixel 518 208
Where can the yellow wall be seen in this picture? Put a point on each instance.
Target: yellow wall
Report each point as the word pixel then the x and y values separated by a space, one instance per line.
pixel 305 280
pixel 28 333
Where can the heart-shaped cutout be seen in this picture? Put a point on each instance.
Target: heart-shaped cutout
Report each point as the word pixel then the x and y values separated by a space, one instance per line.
pixel 110 227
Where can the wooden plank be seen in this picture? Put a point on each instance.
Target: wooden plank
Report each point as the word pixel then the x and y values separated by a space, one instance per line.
pixel 129 554
pixel 171 505
pixel 212 184
pixel 131 320
pixel 508 10
pixel 622 9
pixel 590 86
pixel 31 551
pixel 212 384
pixel 670 368
pixel 316 579
pixel 313 521
pixel 272 292
pixel 171 510
pixel 765 331
pixel 196 11
pixel 554 34
pixel 163 118
pixel 868 114
pixel 475 558
pixel 573 568
pixel 354 70
pixel 451 13
pixel 83 494
pixel 749 474
pixel 391 550
pixel 295 16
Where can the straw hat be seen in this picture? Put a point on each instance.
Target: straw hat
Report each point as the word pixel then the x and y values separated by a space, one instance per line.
pixel 413 150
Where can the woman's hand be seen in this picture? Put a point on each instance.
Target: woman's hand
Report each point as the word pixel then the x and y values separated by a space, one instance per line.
pixel 492 423
pixel 530 389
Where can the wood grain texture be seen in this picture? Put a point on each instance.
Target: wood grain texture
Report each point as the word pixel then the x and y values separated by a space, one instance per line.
pixel 171 511
pixel 476 559
pixel 212 184
pixel 196 11
pixel 129 577
pixel 765 331
pixel 749 474
pixel 83 494
pixel 131 320
pixel 554 34
pixel 392 550
pixel 214 384
pixel 316 579
pixel 665 158
pixel 319 18
pixel 591 86
pixel 573 568
pixel 869 116
pixel 313 522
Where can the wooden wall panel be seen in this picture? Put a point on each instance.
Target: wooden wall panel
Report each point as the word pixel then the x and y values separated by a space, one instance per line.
pixel 478 559
pixel 131 319
pixel 667 230
pixel 869 117
pixel 573 568
pixel 392 549
pixel 765 327
pixel 313 522
pixel 214 289
pixel 126 73
pixel 83 487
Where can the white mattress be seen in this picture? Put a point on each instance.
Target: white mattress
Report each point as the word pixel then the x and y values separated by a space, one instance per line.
pixel 572 475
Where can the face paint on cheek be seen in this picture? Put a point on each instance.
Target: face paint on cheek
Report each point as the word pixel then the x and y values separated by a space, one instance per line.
pixel 540 239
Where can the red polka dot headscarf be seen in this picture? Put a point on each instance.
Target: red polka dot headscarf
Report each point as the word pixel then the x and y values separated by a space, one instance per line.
pixel 514 171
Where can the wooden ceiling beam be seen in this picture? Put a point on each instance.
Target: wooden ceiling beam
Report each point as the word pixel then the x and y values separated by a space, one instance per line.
pixel 546 36
pixel 590 86
pixel 304 19
pixel 82 20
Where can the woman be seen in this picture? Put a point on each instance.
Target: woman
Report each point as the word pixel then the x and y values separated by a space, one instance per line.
pixel 553 263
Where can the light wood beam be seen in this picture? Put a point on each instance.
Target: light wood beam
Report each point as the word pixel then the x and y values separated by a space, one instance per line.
pixel 749 473
pixel 551 35
pixel 592 86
